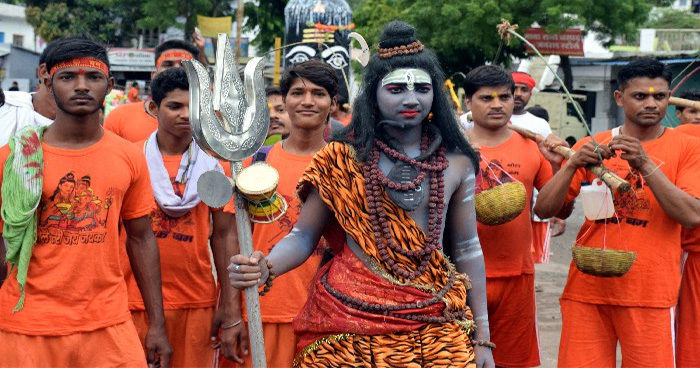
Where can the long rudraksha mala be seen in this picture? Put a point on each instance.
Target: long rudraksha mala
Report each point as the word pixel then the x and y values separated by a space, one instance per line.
pixel 374 179
pixel 431 163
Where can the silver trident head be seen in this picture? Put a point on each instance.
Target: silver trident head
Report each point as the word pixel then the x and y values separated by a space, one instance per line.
pixel 229 122
pixel 218 117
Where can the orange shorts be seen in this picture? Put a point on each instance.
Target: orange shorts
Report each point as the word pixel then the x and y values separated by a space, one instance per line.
pixel 540 241
pixel 189 334
pixel 688 340
pixel 513 320
pixel 280 348
pixel 114 346
pixel 590 333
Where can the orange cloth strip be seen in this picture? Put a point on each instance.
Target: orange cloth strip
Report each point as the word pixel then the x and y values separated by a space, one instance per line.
pixel 182 55
pixel 86 62
pixel 338 177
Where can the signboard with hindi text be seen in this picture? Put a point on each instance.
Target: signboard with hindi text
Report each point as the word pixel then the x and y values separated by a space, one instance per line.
pixel 569 42
pixel 132 57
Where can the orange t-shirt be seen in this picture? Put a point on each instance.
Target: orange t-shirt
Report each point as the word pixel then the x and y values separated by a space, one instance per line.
pixel 186 270
pixel 507 247
pixel 643 227
pixel 690 237
pixel 75 282
pixel 133 95
pixel 131 122
pixel 289 291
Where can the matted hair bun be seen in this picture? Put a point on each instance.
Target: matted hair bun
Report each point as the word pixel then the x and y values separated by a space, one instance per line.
pixel 398 38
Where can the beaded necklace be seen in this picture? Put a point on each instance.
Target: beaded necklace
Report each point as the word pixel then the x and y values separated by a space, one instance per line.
pixel 432 165
pixel 374 178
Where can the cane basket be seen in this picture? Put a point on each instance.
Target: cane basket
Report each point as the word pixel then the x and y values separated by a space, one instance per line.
pixel 500 204
pixel 603 262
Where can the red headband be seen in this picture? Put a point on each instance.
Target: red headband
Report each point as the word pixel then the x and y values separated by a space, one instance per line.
pixel 524 78
pixel 181 55
pixel 85 62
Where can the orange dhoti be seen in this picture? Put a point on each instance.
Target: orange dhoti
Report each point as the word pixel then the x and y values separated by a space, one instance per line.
pixel 688 340
pixel 590 333
pixel 280 348
pixel 541 233
pixel 114 346
pixel 513 320
pixel 189 334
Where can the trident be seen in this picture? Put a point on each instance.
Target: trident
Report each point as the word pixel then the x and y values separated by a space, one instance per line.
pixel 230 123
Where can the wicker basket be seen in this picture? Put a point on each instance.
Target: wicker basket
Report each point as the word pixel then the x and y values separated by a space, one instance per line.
pixel 500 204
pixel 603 262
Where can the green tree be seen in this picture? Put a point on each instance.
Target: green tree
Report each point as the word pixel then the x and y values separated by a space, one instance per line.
pixel 56 19
pixel 674 19
pixel 463 32
pixel 162 14
pixel 267 17
pixel 114 21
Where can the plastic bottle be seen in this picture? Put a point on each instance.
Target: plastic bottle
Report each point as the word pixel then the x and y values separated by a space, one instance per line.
pixel 597 200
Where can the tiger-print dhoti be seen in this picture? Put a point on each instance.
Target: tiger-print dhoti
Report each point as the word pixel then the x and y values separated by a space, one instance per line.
pixel 432 346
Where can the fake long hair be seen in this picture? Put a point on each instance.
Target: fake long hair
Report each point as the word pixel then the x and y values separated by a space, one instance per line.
pixel 361 131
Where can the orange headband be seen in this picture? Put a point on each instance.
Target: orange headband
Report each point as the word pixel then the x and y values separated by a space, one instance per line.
pixel 182 55
pixel 85 62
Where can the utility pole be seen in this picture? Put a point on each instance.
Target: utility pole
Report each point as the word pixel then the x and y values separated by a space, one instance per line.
pixel 239 26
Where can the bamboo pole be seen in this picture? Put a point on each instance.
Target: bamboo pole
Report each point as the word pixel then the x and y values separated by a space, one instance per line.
pixel 608 177
pixel 682 102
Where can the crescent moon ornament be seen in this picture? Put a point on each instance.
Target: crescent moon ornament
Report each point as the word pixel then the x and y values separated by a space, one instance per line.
pixel 364 56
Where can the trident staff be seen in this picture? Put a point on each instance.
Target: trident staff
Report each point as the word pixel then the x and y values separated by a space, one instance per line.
pixel 235 136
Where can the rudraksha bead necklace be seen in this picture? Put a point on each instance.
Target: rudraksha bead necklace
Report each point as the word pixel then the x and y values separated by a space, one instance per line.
pixel 374 178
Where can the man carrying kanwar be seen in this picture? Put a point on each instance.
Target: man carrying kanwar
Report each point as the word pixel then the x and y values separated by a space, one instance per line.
pixel 64 189
pixel 507 160
pixel 381 195
pixel 663 169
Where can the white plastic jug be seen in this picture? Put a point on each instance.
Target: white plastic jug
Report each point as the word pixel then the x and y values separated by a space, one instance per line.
pixel 597 201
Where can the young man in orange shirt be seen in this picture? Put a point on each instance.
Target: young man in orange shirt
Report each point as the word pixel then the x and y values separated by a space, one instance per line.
pixel 64 190
pixel 132 121
pixel 308 89
pixel 507 156
pixel 663 168
pixel 181 223
pixel 688 338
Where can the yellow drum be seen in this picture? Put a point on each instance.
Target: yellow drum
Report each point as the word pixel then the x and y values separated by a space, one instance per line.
pixel 258 184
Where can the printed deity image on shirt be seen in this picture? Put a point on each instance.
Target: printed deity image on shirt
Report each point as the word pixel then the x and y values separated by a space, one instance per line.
pixel 74 213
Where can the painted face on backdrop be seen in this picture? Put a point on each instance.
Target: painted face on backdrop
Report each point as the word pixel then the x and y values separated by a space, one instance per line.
pixel 491 107
pixel 79 90
pixel 644 100
pixel 405 96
